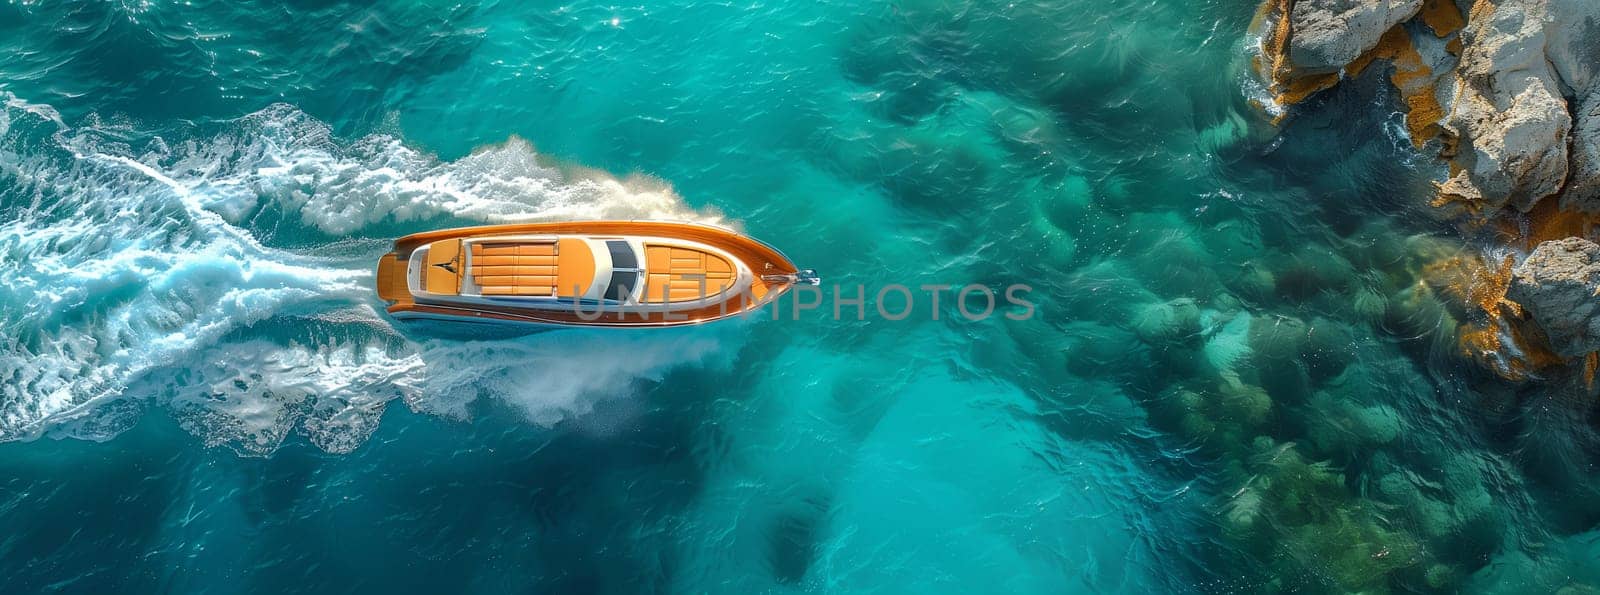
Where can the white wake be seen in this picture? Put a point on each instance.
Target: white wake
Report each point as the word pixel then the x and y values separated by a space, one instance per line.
pixel 226 275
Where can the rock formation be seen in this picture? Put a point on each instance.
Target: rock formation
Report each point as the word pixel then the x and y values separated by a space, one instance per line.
pixel 1514 103
pixel 1523 120
pixel 1327 35
pixel 1509 116
pixel 1557 285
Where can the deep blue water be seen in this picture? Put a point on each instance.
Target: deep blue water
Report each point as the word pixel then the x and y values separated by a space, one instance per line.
pixel 1237 377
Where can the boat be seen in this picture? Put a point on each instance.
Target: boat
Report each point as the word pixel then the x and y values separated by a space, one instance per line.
pixel 605 274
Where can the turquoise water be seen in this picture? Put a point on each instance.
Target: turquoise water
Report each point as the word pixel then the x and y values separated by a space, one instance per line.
pixel 1237 378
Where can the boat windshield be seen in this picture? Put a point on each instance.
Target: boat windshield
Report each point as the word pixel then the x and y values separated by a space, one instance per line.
pixel 622 284
pixel 624 270
pixel 622 255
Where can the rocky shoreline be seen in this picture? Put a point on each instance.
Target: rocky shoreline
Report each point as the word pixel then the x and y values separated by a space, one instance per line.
pixel 1507 93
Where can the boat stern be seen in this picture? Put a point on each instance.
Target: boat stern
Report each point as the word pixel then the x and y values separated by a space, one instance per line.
pixel 392 285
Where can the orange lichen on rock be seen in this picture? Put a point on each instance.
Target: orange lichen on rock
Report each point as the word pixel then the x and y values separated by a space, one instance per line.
pixel 1442 16
pixel 1480 9
pixel 1286 86
pixel 1530 353
pixel 1289 86
pixel 1474 284
pixel 1511 347
pixel 1499 337
pixel 1275 45
pixel 1296 90
pixel 1488 290
pixel 1502 338
pixel 1482 343
pixel 1360 64
pixel 1546 221
pixel 1414 80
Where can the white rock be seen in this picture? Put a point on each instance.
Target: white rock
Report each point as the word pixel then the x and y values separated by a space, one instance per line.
pixel 1328 34
pixel 1557 285
pixel 1574 45
pixel 1583 186
pixel 1509 114
pixel 1574 51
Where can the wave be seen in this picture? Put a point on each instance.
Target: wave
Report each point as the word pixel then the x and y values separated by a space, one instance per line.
pixel 224 273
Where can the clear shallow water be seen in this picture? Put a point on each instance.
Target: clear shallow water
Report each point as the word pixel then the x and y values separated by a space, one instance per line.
pixel 1237 378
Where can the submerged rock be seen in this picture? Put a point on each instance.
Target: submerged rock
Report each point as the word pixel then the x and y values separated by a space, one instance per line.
pixel 1167 323
pixel 1558 286
pixel 1369 306
pixel 1302 518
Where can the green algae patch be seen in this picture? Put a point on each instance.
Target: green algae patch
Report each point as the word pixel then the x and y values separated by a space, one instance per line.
pixel 1297 514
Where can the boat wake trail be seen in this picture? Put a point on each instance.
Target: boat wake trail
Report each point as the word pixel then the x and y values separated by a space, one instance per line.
pixel 224 274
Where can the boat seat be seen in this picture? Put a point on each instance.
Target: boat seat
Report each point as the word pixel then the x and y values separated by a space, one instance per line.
pixel 547 268
pixel 515 268
pixel 674 273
